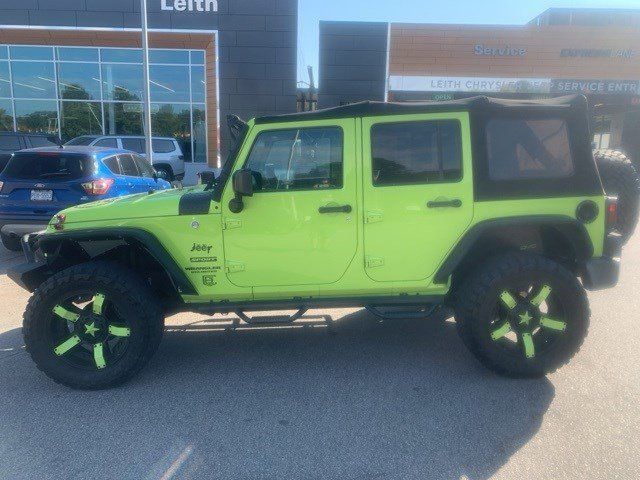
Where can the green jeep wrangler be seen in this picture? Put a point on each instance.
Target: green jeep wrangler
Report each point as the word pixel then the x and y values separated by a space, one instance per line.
pixel 492 209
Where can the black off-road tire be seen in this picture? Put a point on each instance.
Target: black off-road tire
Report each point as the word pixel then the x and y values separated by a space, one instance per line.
pixel 477 299
pixel 620 178
pixel 165 172
pixel 11 243
pixel 121 285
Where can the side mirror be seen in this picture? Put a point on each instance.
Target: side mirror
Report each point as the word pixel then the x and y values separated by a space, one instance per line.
pixel 242 187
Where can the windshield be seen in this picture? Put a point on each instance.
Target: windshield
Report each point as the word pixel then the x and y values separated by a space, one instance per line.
pixel 238 130
pixel 48 165
pixel 83 141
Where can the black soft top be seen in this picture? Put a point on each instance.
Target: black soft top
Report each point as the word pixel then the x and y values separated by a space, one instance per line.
pixel 471 104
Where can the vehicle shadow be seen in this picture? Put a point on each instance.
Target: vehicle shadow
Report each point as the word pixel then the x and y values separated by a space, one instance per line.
pixel 347 399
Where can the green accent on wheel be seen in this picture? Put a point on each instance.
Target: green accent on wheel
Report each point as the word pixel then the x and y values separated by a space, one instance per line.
pixel 542 295
pixel 91 329
pixel 553 324
pixel 98 303
pixel 62 312
pixel 529 348
pixel 118 331
pixel 501 332
pixel 67 345
pixel 525 318
pixel 98 356
pixel 508 300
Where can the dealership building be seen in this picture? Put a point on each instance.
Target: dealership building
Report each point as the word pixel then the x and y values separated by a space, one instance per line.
pixel 562 51
pixel 74 67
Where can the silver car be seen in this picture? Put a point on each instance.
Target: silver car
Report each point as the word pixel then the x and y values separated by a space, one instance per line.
pixel 168 159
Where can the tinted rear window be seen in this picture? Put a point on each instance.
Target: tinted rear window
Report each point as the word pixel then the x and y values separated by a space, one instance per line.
pixel 36 166
pixel 40 142
pixel 133 144
pixel 163 146
pixel 528 149
pixel 83 141
pixel 9 142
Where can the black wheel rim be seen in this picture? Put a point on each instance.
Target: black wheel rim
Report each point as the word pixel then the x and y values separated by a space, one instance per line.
pixel 528 320
pixel 88 331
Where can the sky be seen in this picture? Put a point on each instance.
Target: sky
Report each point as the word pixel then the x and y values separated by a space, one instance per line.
pixel 502 12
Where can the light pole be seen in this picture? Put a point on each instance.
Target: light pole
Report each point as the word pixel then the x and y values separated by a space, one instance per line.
pixel 147 90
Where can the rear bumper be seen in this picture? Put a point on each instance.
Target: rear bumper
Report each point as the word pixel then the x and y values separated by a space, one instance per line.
pixel 17 227
pixel 604 272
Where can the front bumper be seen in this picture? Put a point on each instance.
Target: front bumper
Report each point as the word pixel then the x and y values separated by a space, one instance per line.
pixel 604 272
pixel 15 226
pixel 29 275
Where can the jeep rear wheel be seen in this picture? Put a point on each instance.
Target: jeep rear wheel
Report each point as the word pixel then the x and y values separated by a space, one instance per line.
pixel 620 178
pixel 92 326
pixel 522 315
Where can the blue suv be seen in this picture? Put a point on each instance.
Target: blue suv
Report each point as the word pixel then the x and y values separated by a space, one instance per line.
pixel 39 182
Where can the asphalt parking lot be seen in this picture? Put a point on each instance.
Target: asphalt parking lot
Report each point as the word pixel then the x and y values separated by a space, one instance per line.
pixel 360 400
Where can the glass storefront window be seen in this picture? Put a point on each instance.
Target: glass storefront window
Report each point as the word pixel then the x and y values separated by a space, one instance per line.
pixel 121 55
pixel 31 53
pixel 78 54
pixel 80 118
pixel 122 82
pixel 169 83
pixel 6 115
pixel 123 118
pixel 197 85
pixel 180 57
pixel 199 130
pixel 79 81
pixel 33 79
pixel 92 90
pixel 197 57
pixel 37 116
pixel 5 82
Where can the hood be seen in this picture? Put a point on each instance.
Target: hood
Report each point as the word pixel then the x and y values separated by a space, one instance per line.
pixel 163 203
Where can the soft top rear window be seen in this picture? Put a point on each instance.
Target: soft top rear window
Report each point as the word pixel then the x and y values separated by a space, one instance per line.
pixel 525 149
pixel 49 165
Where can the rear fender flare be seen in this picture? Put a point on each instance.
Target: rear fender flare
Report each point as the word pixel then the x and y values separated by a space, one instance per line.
pixel 573 231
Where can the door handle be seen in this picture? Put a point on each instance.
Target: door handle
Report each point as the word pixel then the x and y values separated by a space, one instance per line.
pixel 335 209
pixel 456 203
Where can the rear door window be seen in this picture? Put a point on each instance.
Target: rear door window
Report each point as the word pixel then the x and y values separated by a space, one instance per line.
pixel 133 144
pixel 521 149
pixel 413 153
pixel 128 166
pixel 163 146
pixel 10 143
pixel 47 165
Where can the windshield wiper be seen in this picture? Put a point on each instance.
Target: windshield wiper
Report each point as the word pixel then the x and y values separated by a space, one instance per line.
pixel 54 174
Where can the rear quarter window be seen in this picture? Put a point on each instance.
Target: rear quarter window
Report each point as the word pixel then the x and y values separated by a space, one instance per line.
pixel 46 165
pixel 163 146
pixel 526 149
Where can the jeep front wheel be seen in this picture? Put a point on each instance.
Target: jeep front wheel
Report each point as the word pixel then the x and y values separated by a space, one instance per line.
pixel 92 326
pixel 522 315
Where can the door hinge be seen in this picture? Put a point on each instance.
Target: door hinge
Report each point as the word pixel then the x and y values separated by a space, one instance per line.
pixel 372 217
pixel 234 267
pixel 373 262
pixel 230 223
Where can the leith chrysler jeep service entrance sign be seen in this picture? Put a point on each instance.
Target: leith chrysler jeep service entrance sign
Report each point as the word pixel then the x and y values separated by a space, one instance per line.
pixel 189 5
pixel 468 84
pixel 595 86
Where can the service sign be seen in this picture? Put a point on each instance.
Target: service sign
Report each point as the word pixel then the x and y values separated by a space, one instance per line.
pixel 611 87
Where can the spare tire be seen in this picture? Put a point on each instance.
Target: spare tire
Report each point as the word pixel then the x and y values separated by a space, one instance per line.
pixel 620 179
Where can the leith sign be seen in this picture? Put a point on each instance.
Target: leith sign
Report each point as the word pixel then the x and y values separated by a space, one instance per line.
pixel 189 5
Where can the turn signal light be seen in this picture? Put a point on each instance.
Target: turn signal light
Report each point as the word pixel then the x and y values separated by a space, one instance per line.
pixel 1 185
pixel 98 187
pixel 58 221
